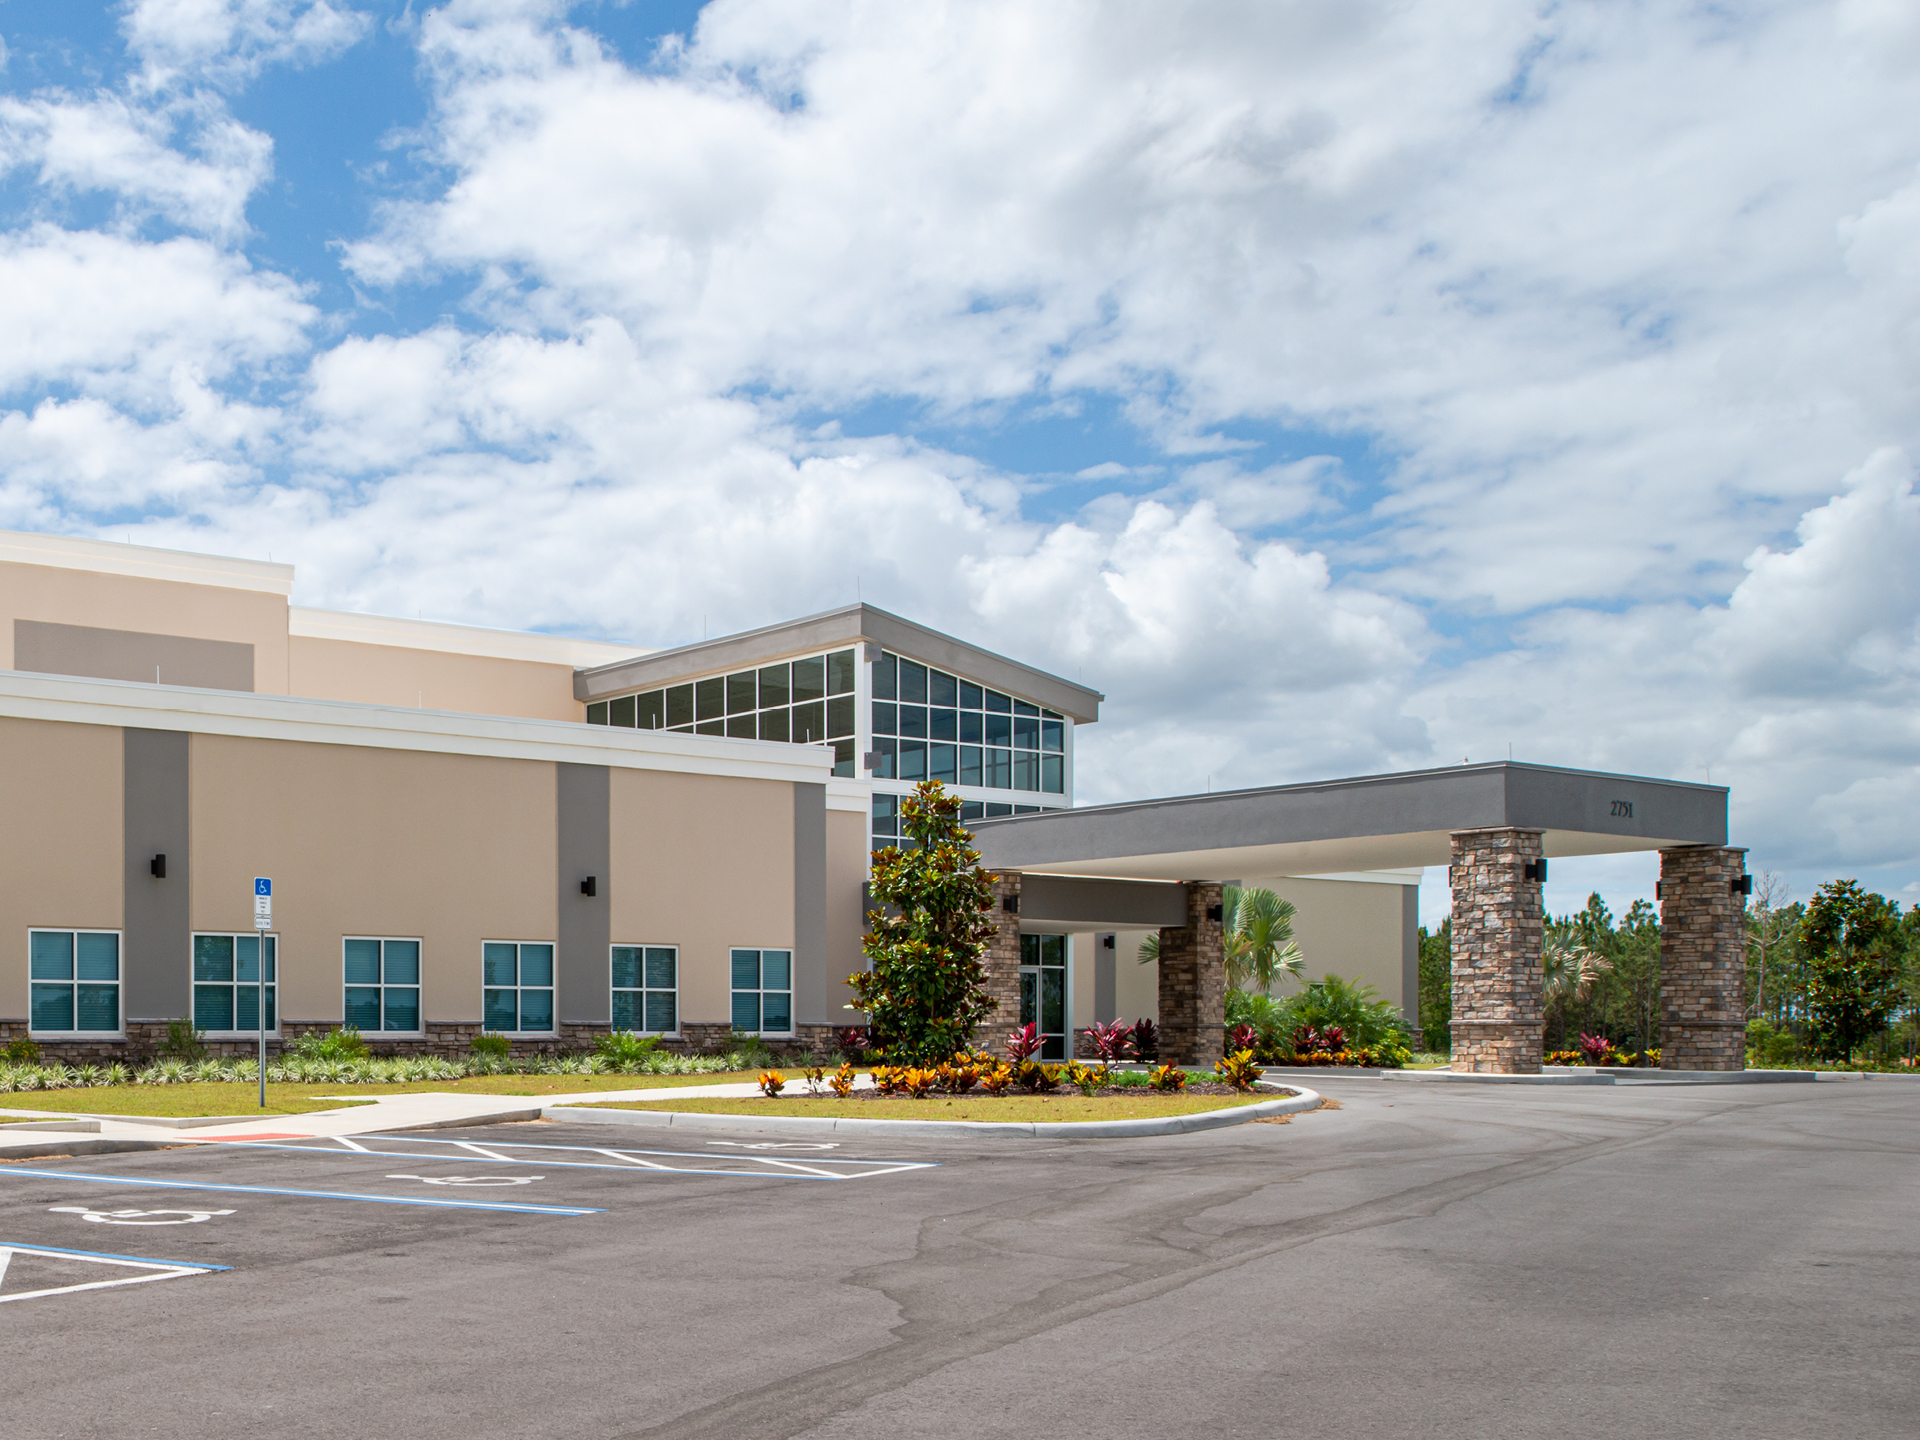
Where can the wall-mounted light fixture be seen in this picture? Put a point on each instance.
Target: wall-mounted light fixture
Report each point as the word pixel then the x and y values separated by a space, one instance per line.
pixel 1106 942
pixel 1535 870
pixel 157 867
pixel 1216 912
pixel 1011 904
pixel 1741 885
pixel 590 886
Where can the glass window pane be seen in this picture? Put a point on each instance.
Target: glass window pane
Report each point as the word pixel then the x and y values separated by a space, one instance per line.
pixel 913 683
pixel 886 747
pixel 776 969
pixel 98 1007
pixel 1026 770
pixel 660 1011
pixel 746 969
pixel 621 712
pixel 273 958
pixel 776 1011
pixel 652 708
pixel 626 967
pixel 940 762
pixel 997 811
pixel 776 686
pixel 626 1014
pixel 972 810
pixel 809 722
pixel 996 701
pixel 1053 775
pixel 743 691
pixel 1053 736
pixel 1053 1001
pixel 709 698
pixel 843 759
pixel 662 962
pixel 810 679
pixel 743 727
pixel 1026 733
pixel 246 958
pixel 970 765
pixel 52 1007
pixel 746 1009
pixel 403 1008
pixel 885 678
pixel 536 964
pixel 942 689
pixel 999 729
pixel 885 718
pixel 711 727
pixel 361 962
pixel 97 956
pixel 773 725
pixel 969 728
pixel 840 715
pixel 913 721
pixel 403 962
pixel 840 673
pixel 680 705
pixel 213 1007
pixel 597 713
pixel 51 953
pixel 212 958
pixel 943 724
pixel 500 1013
pixel 1022 707
pixel 536 1009
pixel 497 964
pixel 362 1008
pixel 999 769
pixel 246 1007
pixel 913 759
pixel 969 695
pixel 1053 950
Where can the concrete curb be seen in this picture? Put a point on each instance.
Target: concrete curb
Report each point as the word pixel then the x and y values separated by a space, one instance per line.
pixel 1634 1076
pixel 80 1147
pixel 1021 1130
pixel 170 1122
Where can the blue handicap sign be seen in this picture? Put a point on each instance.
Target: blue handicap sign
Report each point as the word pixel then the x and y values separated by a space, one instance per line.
pixel 262 886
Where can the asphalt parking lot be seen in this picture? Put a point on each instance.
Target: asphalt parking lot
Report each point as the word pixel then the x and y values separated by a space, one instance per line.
pixel 1494 1261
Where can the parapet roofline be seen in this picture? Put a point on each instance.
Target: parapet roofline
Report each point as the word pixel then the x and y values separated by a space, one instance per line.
pixel 446 637
pixel 144 562
pixel 848 625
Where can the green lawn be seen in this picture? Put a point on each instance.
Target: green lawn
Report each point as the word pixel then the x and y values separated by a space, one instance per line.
pixel 244 1098
pixel 1018 1108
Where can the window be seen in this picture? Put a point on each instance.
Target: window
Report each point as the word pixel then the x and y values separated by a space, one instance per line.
pixel 1004 743
pixel 646 995
pixel 226 983
pixel 382 984
pixel 73 979
pixel 517 987
pixel 1043 991
pixel 763 991
pixel 800 702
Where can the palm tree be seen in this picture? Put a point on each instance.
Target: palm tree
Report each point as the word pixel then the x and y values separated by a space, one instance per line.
pixel 1259 939
pixel 1571 964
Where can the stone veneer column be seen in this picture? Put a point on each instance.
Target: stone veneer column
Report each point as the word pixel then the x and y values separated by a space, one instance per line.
pixel 1003 965
pixel 1498 961
pixel 1703 959
pixel 1193 982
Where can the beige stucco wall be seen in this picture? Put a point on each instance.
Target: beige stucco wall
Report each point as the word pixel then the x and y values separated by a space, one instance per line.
pixel 451 849
pixel 327 669
pixel 1136 987
pixel 60 849
pixel 158 607
pixel 705 863
pixel 1349 928
pixel 847 855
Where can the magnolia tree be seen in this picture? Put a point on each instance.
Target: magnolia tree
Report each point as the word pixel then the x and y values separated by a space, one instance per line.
pixel 926 985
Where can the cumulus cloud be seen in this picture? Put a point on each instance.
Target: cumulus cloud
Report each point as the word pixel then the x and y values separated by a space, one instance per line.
pixel 228 41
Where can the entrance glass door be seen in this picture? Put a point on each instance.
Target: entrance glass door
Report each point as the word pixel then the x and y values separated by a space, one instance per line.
pixel 1043 991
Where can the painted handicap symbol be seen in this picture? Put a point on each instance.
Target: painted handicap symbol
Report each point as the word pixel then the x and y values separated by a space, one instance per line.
pixel 138 1217
pixel 470 1179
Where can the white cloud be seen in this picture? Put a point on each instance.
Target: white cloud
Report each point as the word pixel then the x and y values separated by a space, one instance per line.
pixel 234 40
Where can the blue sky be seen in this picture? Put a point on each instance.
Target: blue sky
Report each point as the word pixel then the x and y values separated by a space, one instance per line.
pixel 1339 387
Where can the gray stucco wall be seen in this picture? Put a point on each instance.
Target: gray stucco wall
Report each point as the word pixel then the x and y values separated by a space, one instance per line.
pixel 156 940
pixel 583 801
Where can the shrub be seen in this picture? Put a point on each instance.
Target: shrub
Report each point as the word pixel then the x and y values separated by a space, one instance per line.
pixel 772 1082
pixel 1168 1079
pixel 856 1040
pixel 958 1078
pixel 842 1082
pixel 1126 1079
pixel 1112 1041
pixel 342 1044
pixel 490 1047
pixel 1564 1057
pixel 1597 1048
pixel 1040 1079
pixel 1238 1069
pixel 24 1051
pixel 1085 1078
pixel 623 1052
pixel 1769 1047
pixel 996 1078
pixel 1353 1008
pixel 1146 1040
pixel 1023 1044
pixel 183 1041
pixel 918 1082
pixel 887 1079
pixel 816 1079
pixel 1242 1037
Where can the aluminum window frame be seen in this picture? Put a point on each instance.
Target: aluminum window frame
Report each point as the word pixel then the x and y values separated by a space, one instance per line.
pixel 552 987
pixel 643 989
pixel 236 984
pixel 419 986
pixel 119 1032
pixel 762 951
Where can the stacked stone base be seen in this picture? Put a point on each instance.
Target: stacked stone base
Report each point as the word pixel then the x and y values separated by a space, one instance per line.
pixel 1498 1007
pixel 1496 1049
pixel 1193 982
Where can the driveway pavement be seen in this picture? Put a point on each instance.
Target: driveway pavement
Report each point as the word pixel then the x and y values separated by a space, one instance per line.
pixel 1426 1260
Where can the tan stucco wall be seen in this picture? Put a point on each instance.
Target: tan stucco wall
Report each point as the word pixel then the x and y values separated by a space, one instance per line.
pixel 451 849
pixel 1348 928
pixel 327 669
pixel 705 863
pixel 1136 987
pixel 60 848
pixel 158 607
pixel 847 854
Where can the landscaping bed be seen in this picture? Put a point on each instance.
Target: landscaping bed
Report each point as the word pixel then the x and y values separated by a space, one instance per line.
pixel 1120 1103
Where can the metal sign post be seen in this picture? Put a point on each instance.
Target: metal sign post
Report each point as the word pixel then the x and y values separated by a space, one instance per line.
pixel 262 923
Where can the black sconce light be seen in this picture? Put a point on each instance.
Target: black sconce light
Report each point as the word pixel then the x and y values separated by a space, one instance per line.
pixel 157 867
pixel 1741 885
pixel 1106 942
pixel 590 886
pixel 1534 870
pixel 1216 912
pixel 1011 904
